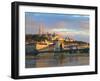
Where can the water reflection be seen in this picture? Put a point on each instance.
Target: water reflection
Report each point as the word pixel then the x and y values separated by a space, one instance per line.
pixel 53 60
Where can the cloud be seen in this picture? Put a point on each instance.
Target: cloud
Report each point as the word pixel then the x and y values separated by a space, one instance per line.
pixel 74 25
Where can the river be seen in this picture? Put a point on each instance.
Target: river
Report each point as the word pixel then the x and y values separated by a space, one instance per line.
pixel 56 60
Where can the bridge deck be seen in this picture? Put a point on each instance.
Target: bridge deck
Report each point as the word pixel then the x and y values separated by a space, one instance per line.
pixel 69 50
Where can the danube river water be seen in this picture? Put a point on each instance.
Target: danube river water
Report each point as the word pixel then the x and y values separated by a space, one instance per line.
pixel 55 60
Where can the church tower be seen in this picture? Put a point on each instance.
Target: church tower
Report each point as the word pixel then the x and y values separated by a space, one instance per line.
pixel 41 29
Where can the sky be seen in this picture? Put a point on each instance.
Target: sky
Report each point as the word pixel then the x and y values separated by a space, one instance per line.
pixel 75 26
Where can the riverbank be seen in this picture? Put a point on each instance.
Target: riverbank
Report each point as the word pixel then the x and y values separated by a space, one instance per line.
pixel 48 55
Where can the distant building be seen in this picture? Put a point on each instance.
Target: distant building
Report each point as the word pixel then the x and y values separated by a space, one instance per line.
pixel 69 39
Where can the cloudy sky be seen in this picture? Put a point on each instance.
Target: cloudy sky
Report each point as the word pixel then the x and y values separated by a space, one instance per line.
pixel 73 25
